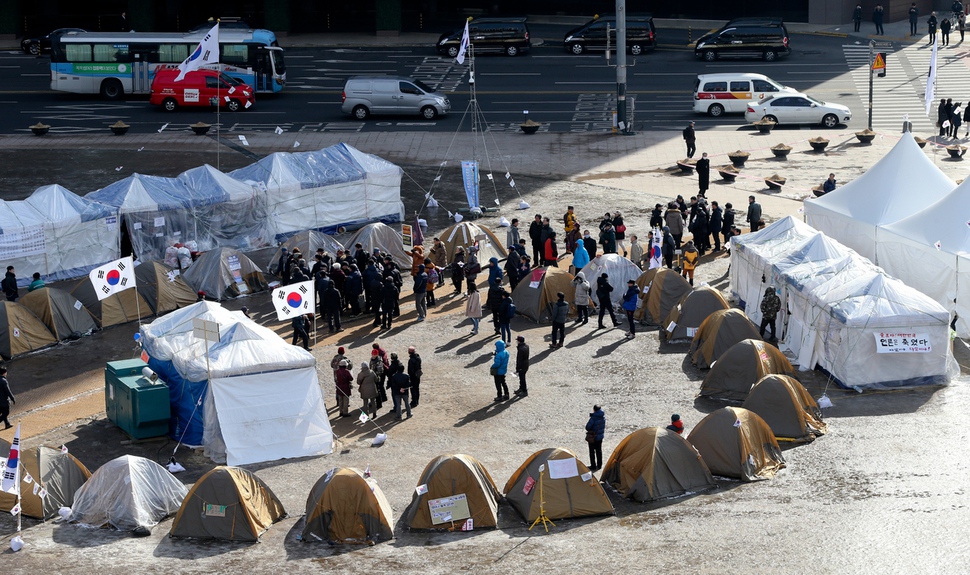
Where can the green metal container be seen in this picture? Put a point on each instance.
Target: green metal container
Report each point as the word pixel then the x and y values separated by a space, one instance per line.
pixel 133 402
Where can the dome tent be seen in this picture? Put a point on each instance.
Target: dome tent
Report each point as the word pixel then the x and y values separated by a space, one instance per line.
pixel 382 236
pixel 718 333
pixel 655 463
pixel 619 271
pixel 63 314
pixel 666 290
pixel 117 308
pixel 451 476
pixel 308 241
pixel 21 331
pixel 466 233
pixel 536 302
pixel 60 474
pixel 732 376
pixel 225 273
pixel 162 287
pixel 569 488
pixel 346 507
pixel 735 442
pixel 686 317
pixel 643 284
pixel 787 408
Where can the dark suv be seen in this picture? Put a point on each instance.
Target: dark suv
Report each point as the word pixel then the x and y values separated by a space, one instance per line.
pixel 765 38
pixel 640 34
pixel 509 36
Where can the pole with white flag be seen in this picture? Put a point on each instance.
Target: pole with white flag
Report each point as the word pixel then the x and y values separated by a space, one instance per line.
pixel 10 482
pixel 207 52
pixel 931 79
pixel 460 58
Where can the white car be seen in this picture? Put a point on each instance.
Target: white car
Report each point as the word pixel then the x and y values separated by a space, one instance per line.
pixel 797 108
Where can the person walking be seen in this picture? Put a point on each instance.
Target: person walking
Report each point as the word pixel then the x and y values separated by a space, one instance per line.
pixel 676 425
pixel 619 229
pixel 9 285
pixel 945 27
pixel 414 374
pixel 857 17
pixel 948 117
pixel 581 298
pixel 473 307
pixel 299 324
pixel 521 365
pixel 877 18
pixel 344 380
pixel 753 216
pixel 603 291
pixel 560 310
pixel 500 366
pixel 595 430
pixel 703 168
pixel 913 18
pixel 690 258
pixel 420 292
pixel 931 29
pixel 715 225
pixel 690 139
pixel 6 398
pixel 770 306
pixel 630 305
pixel 400 385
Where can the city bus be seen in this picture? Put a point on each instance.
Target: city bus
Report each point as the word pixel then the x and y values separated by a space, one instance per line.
pixel 117 63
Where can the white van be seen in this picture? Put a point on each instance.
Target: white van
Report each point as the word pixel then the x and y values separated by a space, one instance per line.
pixel 363 96
pixel 715 94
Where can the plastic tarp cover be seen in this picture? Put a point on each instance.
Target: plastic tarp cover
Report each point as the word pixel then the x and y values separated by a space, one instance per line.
pixel 239 219
pixel 170 333
pixel 223 273
pixel 128 492
pixel 23 239
pixel 619 269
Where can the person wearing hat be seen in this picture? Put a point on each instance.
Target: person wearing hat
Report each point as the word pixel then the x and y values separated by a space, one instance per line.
pixel 367 386
pixel 603 291
pixel 630 305
pixel 245 312
pixel 595 430
pixel 521 365
pixel 676 425
pixel 560 310
pixel 378 366
pixel 500 367
pixel 690 258
pixel 345 381
pixel 400 385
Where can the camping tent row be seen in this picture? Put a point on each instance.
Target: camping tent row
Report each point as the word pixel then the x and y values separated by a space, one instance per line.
pixel 865 328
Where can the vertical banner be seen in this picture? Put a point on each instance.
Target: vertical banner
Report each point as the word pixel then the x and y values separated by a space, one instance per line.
pixel 469 175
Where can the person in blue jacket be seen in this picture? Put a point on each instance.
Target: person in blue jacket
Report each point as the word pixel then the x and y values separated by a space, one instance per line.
pixel 580 256
pixel 500 366
pixel 596 429
pixel 630 306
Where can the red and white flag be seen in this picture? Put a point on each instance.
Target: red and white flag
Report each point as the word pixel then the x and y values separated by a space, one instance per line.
pixel 113 277
pixel 293 300
pixel 11 469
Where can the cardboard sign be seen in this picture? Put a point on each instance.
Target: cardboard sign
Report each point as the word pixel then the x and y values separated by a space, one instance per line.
pixel 446 509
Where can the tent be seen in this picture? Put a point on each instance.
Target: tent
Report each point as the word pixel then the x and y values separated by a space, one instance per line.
pixel 457 484
pixel 346 507
pixel 721 330
pixel 308 241
pixel 655 463
pixel 787 408
pixel 686 317
pixel 338 186
pixel 163 287
pixel 59 474
pixel 732 376
pixel 116 309
pixel 536 293
pixel 63 314
pixel 735 442
pixel 855 213
pixel 21 331
pixel 225 273
pixel 643 284
pixel 619 269
pixel 568 487
pixel 666 290
pixel 128 492
pixel 230 504
pixel 466 233
pixel 378 235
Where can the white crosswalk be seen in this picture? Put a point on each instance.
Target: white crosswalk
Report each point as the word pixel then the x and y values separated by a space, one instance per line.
pixel 953 74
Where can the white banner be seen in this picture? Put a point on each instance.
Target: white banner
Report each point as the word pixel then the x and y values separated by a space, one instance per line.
pixel 293 300
pixel 11 469
pixel 563 468
pixel 113 277
pixel 27 242
pixel 902 342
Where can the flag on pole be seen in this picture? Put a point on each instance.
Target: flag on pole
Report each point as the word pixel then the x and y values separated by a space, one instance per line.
pixel 418 234
pixel 11 470
pixel 293 300
pixel 460 58
pixel 931 79
pixel 207 52
pixel 113 277
pixel 656 249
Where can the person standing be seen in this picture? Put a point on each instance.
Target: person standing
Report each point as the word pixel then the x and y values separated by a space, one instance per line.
pixel 506 311
pixel 829 184
pixel 770 306
pixel 714 226
pixel 36 282
pixel 948 115
pixel 857 17
pixel 608 239
pixel 9 285
pixel 636 251
pixel 589 242
pixel 439 255
pixel 690 139
pixel 550 252
pixel 378 366
pixel 595 430
pixel 877 18
pixel 582 289
pixel 676 425
pixel 512 234
pixel 603 291
pixel 345 381
pixel 569 221
pixel 656 217
pixel 472 266
pixel 560 311
pixel 667 248
pixel 931 29
pixel 690 261
pixel 433 276
pixel 6 397
pixel 331 306
pixel 913 18
pixel 400 387
pixel 389 295
pixel 630 305
pixel 962 25
pixel 367 386
pixel 674 218
pixel 728 225
pixel 580 256
pixel 414 374
pixel 420 292
pixel 753 216
pixel 521 365
pixel 123 21
pixel 535 234
pixel 619 228
pixel 458 269
pixel 703 168
pixel 945 27
pixel 500 366
pixel 299 324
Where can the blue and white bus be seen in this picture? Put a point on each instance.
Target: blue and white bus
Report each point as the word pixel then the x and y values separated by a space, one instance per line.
pixel 117 63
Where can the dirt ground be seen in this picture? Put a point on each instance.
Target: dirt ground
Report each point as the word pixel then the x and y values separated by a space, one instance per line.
pixel 885 491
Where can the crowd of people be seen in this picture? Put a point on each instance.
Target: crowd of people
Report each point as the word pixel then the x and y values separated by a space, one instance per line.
pixel 382 372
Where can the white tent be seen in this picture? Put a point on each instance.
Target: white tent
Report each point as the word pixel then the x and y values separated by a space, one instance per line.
pixel 619 271
pixel 902 183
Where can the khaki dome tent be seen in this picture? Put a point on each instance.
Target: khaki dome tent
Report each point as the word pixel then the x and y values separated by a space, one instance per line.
pixel 378 235
pixel 619 269
pixel 61 312
pixel 666 291
pixel 536 302
pixel 21 331
pixel 566 492
pixel 162 287
pixel 346 507
pixel 787 408
pixel 685 318
pixel 735 442
pixel 308 241
pixel 225 273
pixel 60 474
pixel 448 477
pixel 655 463
pixel 645 279
pixel 718 333
pixel 732 376
pixel 464 234
pixel 228 503
pixel 128 492
pixel 116 309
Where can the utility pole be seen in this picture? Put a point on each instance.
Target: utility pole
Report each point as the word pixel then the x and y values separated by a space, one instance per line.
pixel 873 55
pixel 623 125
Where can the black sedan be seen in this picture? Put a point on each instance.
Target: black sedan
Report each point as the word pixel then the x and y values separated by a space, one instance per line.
pixel 42 45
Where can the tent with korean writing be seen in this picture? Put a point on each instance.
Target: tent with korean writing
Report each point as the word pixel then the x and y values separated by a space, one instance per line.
pixel 568 487
pixel 347 506
pixel 455 491
pixel 225 273
pixel 536 292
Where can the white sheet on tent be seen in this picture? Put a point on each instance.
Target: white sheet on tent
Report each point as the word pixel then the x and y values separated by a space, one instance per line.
pixel 618 268
pixel 23 238
pixel 171 333
pixel 267 416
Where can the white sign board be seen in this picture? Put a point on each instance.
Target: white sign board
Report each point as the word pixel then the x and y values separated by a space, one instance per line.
pixel 563 468
pixel 902 342
pixel 203 329
pixel 454 508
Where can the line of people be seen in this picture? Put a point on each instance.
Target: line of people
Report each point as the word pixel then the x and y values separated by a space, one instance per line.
pixel 950 116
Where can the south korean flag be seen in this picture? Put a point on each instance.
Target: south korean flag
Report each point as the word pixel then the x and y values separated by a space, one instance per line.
pixel 294 300
pixel 113 277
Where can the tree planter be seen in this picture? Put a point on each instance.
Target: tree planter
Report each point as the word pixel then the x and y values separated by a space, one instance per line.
pixel 764 126
pixel 775 182
pixel 866 136
pixel 738 158
pixel 530 127
pixel 818 144
pixel 200 128
pixel 920 142
pixel 818 191
pixel 119 128
pixel 40 129
pixel 728 173
pixel 781 151
pixel 686 166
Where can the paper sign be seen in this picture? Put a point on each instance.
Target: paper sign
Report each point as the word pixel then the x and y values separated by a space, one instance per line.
pixel 529 484
pixel 421 489
pixel 534 285
pixel 691 331
pixel 233 263
pixel 671 327
pixel 587 476
pixel 215 510
pixel 902 342
pixel 454 508
pixel 362 418
pixel 36 488
pixel 77 305
pixel 468 525
pixel 160 222
pixel 563 468
pixel 137 225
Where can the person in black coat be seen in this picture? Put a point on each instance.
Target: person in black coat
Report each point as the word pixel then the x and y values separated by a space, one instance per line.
pixel 668 247
pixel 657 215
pixel 857 16
pixel 299 324
pixel 603 294
pixel 6 394
pixel 913 18
pixel 690 139
pixel 945 31
pixel 931 29
pixel 400 385
pixel 535 234
pixel 877 18
pixel 521 365
pixel 589 242
pixel 728 225
pixel 389 295
pixel 414 373
pixel 703 168
pixel 715 225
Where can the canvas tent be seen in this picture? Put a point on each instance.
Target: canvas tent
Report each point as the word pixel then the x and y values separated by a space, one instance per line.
pixel 62 313
pixel 163 287
pixel 225 273
pixel 735 442
pixel 618 269
pixel 116 309
pixel 308 241
pixel 685 318
pixel 721 330
pixel 655 463
pixel 128 492
pixel 466 233
pixel 21 331
pixel 666 290
pixel 59 474
pixel 787 408
pixel 568 487
pixel 643 284
pixel 230 504
pixel 463 485
pixel 346 507
pixel 747 361
pixel 536 293
pixel 379 235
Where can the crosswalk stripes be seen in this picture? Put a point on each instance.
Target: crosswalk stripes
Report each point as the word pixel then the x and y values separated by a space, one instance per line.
pixel 953 73
pixel 892 98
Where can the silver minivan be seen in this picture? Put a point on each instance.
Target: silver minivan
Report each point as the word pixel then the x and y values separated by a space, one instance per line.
pixel 364 96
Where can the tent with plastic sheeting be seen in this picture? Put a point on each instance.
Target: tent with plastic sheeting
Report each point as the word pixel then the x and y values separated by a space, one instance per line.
pixel 655 463
pixel 466 234
pixel 308 241
pixel 346 507
pixel 747 361
pixel 735 442
pixel 619 271
pixel 58 474
pixel 686 317
pixel 225 273
pixel 666 290
pixel 459 479
pixel 327 189
pixel 383 237
pixel 128 492
pixel 787 408
pixel 63 314
pixel 163 287
pixel 116 309
pixel 721 330
pixel 568 487
pixel 535 294
pixel 22 241
pixel 21 331
pixel 229 504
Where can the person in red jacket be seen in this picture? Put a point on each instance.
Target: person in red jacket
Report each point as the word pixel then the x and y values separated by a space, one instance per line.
pixel 676 425
pixel 550 252
pixel 345 382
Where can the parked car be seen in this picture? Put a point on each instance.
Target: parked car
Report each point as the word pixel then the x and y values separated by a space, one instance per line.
pixel 797 108
pixel 363 96
pixel 641 35
pixel 509 36
pixel 765 38
pixel 42 44
pixel 716 94
pixel 225 23
pixel 199 88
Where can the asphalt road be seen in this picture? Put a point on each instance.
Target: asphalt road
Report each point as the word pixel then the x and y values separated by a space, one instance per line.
pixel 565 93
